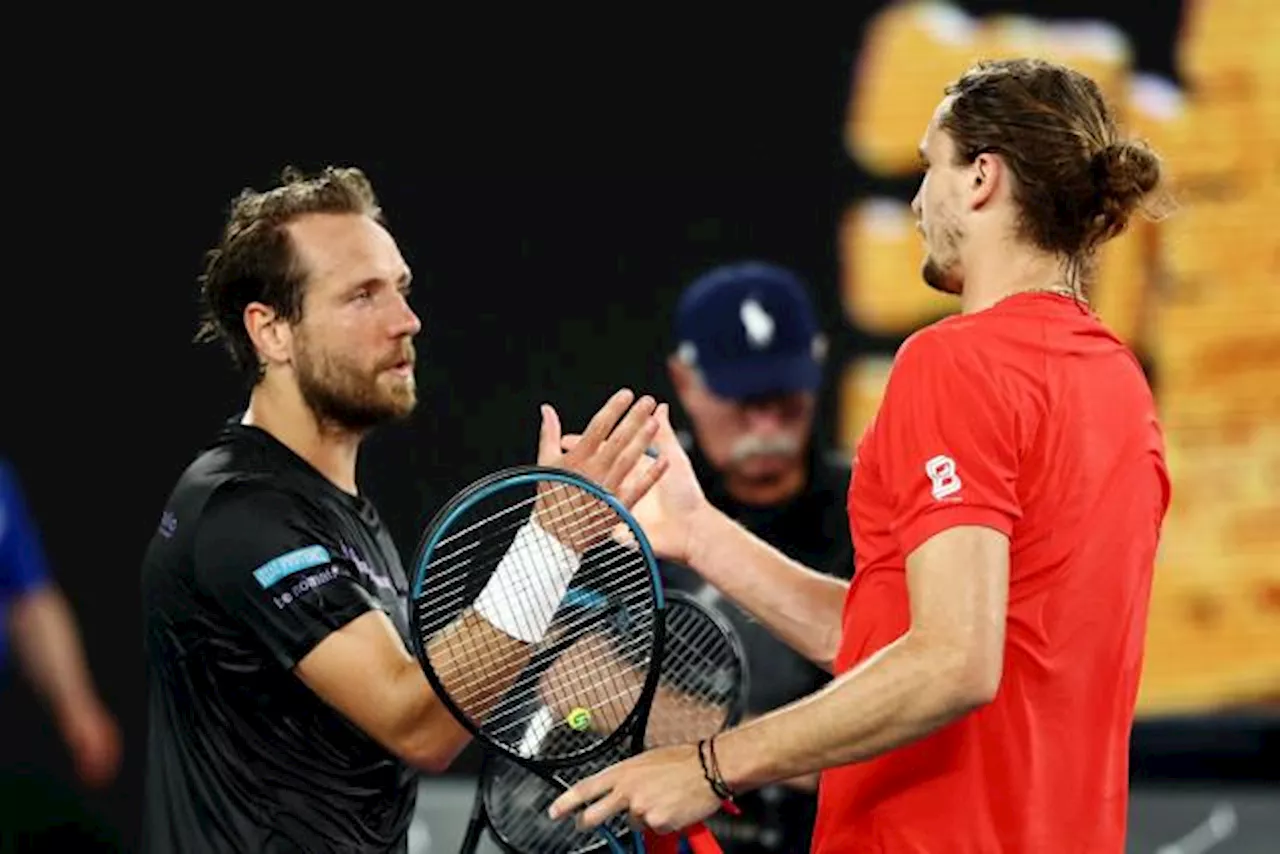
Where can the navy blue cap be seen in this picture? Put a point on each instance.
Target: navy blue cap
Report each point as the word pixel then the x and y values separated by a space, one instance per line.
pixel 749 329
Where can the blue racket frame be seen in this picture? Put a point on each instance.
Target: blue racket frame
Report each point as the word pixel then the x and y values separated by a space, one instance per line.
pixel 440 525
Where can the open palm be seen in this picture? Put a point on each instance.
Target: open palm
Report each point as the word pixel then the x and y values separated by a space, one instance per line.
pixel 668 511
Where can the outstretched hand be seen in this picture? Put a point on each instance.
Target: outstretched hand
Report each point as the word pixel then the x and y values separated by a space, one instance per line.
pixel 611 454
pixel 670 502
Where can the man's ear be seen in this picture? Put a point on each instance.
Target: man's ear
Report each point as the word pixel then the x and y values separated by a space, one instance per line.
pixel 987 175
pixel 271 335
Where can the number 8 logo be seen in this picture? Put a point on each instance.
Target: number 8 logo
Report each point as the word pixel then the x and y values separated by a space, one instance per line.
pixel 942 474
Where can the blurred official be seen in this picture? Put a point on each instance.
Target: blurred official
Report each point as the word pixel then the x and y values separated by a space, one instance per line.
pixel 747 369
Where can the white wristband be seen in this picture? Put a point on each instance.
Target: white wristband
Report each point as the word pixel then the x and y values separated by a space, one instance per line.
pixel 524 592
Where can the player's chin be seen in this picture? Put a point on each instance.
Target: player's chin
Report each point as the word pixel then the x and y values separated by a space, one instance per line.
pixel 939 279
pixel 397 398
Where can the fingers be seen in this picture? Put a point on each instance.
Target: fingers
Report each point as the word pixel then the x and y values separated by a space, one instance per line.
pixel 549 437
pixel 601 811
pixel 621 441
pixel 632 453
pixel 666 439
pixel 602 423
pixel 641 480
pixel 584 791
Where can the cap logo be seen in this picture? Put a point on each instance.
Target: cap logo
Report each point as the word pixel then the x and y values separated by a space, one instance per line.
pixel 757 323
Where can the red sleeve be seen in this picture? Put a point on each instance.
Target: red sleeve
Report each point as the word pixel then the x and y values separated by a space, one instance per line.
pixel 948 440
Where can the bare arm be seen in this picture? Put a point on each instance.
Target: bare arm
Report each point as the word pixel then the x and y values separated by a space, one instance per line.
pixel 590 674
pixel 800 606
pixel 49 648
pixel 364 671
pixel 48 645
pixel 947 664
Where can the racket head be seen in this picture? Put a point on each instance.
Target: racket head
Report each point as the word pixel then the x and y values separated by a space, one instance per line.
pixel 454 560
pixel 701 654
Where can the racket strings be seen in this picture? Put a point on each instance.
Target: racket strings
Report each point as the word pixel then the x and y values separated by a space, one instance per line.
pixel 450 597
pixel 700 684
pixel 589 660
pixel 454 573
pixel 575 521
pixel 614 686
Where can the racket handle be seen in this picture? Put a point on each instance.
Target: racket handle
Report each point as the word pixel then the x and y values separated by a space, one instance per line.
pixel 664 843
pixel 700 838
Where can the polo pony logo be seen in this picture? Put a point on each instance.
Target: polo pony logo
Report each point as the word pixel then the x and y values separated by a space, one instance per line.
pixel 757 323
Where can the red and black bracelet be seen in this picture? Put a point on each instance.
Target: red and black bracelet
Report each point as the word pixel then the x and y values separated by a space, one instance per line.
pixel 711 771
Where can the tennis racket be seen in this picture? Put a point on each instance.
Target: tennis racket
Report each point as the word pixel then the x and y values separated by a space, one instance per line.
pixel 702 690
pixel 540 682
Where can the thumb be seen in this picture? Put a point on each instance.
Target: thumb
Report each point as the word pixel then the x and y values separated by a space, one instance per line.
pixel 549 437
pixel 666 439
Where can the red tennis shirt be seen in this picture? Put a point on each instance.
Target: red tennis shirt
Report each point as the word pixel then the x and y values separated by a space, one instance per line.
pixel 1031 418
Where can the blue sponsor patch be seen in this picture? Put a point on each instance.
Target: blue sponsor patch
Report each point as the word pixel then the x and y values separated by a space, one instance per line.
pixel 287 564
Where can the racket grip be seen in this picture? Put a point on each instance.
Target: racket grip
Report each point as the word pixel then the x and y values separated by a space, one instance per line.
pixel 523 594
pixel 702 840
pixel 661 843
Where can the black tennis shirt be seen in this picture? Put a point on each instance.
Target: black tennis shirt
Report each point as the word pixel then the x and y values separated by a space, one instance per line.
pixel 257 559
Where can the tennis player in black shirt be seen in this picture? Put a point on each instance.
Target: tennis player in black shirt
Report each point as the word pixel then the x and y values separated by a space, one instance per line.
pixel 286 713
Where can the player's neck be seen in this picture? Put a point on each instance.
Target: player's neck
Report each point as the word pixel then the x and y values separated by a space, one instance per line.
pixel 279 409
pixel 1009 269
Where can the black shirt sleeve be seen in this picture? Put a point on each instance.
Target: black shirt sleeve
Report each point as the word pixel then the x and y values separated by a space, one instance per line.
pixel 264 559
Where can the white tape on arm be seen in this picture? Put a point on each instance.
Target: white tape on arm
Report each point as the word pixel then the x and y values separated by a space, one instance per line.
pixel 525 590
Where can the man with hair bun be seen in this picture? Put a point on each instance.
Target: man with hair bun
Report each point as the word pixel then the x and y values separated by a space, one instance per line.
pixel 1005 509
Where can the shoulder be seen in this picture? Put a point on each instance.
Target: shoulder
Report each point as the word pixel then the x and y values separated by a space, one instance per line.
pixel 959 357
pixel 243 504
pixel 946 343
pixel 255 524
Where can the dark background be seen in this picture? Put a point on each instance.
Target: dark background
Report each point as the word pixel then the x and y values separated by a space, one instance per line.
pixel 552 187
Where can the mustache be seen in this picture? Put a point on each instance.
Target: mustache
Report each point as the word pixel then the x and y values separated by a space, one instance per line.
pixel 404 354
pixel 783 445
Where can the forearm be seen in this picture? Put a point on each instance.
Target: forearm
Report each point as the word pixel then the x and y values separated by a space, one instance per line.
pixel 897 696
pixel 800 606
pixel 49 648
pixel 477 664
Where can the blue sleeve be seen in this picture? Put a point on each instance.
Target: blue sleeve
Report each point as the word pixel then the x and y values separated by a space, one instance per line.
pixel 22 561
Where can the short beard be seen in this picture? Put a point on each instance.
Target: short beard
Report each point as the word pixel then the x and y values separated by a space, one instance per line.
pixel 344 399
pixel 942 277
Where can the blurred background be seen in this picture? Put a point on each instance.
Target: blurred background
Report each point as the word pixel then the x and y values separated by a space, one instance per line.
pixel 553 194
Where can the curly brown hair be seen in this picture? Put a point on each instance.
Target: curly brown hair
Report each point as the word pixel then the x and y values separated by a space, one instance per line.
pixel 255 260
pixel 1078 181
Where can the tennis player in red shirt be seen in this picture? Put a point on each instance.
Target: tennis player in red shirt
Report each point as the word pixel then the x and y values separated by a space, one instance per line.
pixel 1006 507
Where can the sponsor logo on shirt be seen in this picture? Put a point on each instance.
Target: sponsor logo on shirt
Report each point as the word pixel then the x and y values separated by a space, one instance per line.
pixel 363 567
pixel 941 471
pixel 287 564
pixel 304 585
